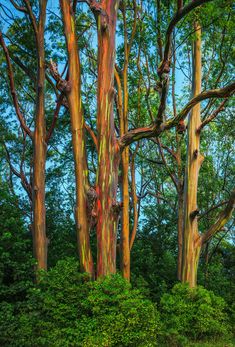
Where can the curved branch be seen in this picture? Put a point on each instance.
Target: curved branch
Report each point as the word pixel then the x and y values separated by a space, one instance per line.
pixel 155 130
pixel 212 209
pixel 222 219
pixel 17 7
pixel 182 12
pixel 213 93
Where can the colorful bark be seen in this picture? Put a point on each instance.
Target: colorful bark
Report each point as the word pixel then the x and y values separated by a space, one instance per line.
pixel 40 149
pixel 134 199
pixel 122 103
pixel 108 152
pixel 125 232
pixel 191 246
pixel 73 93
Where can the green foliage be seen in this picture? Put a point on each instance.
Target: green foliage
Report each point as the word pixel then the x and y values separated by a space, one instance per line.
pixel 66 309
pixel 193 314
pixel 16 262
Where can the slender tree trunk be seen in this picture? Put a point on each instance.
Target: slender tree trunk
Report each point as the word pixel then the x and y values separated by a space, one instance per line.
pixel 134 198
pixel 40 149
pixel 125 234
pixel 124 182
pixel 191 237
pixel 108 151
pixel 180 231
pixel 73 94
pixel 180 221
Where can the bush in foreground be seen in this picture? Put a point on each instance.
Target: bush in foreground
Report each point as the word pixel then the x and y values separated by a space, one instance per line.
pixel 66 309
pixel 193 314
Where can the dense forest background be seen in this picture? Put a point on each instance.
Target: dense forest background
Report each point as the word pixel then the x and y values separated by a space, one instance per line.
pixel 117 173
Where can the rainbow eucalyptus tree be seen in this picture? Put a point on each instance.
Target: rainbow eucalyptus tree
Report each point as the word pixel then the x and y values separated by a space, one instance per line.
pixel 36 190
pixel 112 148
pixel 192 239
pixel 107 208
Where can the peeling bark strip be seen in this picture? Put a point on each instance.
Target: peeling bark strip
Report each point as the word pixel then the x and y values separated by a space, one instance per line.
pixel 108 155
pixel 73 94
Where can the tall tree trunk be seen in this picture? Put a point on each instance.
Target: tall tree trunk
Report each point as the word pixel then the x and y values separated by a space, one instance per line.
pixel 180 221
pixel 125 233
pixel 108 151
pixel 191 246
pixel 40 149
pixel 73 94
pixel 180 231
pixel 125 157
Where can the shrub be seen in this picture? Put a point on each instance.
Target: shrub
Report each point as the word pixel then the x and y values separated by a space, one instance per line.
pixel 194 314
pixel 16 262
pixel 66 309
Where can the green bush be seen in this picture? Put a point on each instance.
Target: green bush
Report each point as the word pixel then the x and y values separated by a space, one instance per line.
pixel 66 309
pixel 193 314
pixel 16 261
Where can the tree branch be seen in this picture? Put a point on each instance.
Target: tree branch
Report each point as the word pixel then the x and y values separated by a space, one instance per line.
pixel 18 174
pixel 59 103
pixel 212 209
pixel 172 175
pixel 17 7
pixel 213 115
pixel 155 129
pixel 12 88
pixel 92 134
pixel 222 219
pixel 32 19
pixel 181 12
pixel 213 93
